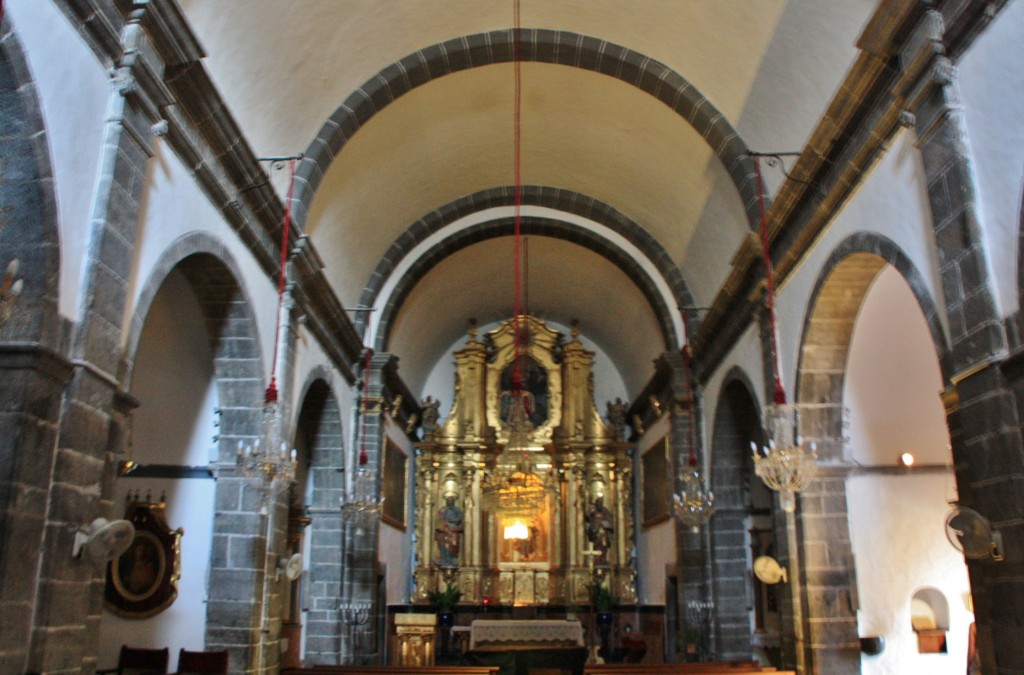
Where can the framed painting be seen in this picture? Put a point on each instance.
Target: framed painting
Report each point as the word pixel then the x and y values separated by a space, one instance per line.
pixel 656 484
pixel 393 485
pixel 143 581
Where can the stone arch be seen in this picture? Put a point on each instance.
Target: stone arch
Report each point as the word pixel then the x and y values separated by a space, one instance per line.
pixel 236 588
pixel 529 226
pixel 736 490
pixel 30 232
pixel 555 198
pixel 319 437
pixel 35 374
pixel 539 46
pixel 838 295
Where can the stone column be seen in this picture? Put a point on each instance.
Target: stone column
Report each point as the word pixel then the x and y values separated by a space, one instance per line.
pixel 61 637
pixel 360 569
pixel 981 407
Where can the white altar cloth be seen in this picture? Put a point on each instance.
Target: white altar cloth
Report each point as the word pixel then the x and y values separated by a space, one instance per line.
pixel 486 634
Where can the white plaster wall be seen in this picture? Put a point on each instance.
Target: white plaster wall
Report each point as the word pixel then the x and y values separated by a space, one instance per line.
pixel 897 521
pixel 174 424
pixel 73 90
pixel 655 545
pixel 892 201
pixel 172 206
pixel 992 87
pixel 899 546
pixel 893 386
pixel 395 544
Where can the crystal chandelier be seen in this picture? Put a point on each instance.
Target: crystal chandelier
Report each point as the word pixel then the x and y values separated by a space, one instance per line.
pixel 693 503
pixel 268 457
pixel 784 465
pixel 363 505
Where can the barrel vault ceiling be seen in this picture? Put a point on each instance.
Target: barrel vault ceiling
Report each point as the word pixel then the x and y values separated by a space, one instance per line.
pixel 634 118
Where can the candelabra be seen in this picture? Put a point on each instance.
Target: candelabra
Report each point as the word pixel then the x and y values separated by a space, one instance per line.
pixel 354 615
pixel 699 613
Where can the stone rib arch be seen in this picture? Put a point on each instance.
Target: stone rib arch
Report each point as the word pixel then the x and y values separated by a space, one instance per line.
pixel 540 46
pixel 828 328
pixel 531 195
pixel 530 226
pixel 30 231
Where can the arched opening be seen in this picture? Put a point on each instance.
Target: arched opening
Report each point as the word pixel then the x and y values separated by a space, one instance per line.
pixel 747 609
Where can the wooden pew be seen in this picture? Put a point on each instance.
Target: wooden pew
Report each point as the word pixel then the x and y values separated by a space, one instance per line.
pixel 689 668
pixel 376 670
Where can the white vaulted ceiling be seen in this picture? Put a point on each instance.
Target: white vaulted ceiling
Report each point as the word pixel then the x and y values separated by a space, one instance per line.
pixel 765 68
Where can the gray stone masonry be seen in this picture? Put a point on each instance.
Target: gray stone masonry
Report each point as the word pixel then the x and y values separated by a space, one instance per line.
pixel 60 639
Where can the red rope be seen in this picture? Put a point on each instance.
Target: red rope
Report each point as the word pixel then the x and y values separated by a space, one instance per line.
pixel 271 394
pixel 363 457
pixel 517 378
pixel 780 392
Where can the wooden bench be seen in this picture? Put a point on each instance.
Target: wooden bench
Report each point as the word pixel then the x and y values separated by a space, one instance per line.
pixel 689 668
pixel 375 670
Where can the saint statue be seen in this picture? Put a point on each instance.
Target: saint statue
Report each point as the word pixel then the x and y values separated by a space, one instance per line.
pixel 430 415
pixel 448 533
pixel 617 418
pixel 599 529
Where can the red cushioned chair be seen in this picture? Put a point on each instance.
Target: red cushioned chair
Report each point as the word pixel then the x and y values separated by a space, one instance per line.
pixel 215 663
pixel 134 661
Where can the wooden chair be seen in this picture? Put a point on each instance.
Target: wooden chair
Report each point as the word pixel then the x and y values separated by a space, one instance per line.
pixel 207 663
pixel 135 661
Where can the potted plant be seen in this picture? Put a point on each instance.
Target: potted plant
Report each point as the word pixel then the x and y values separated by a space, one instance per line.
pixel 604 602
pixel 445 601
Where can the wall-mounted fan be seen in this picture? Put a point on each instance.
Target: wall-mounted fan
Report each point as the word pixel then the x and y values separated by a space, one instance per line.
pixel 970 533
pixel 103 540
pixel 291 567
pixel 768 570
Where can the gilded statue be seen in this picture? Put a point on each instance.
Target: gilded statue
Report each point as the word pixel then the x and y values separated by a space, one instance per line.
pixel 600 527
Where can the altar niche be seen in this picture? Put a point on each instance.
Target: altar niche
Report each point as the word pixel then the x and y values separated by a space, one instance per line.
pixel 580 526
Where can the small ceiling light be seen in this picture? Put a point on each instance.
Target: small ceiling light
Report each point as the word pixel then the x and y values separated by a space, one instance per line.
pixel 907 459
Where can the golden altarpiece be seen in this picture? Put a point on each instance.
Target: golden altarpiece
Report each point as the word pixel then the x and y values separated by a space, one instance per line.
pixel 580 530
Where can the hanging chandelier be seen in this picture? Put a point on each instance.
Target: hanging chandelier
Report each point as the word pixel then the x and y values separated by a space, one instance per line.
pixel 268 456
pixel 362 507
pixel 784 464
pixel 693 503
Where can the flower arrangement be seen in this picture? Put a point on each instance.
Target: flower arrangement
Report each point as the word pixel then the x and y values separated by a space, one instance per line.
pixel 445 600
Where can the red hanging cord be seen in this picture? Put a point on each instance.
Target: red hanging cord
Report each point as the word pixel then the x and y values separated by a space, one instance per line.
pixel 363 457
pixel 688 362
pixel 517 377
pixel 780 392
pixel 271 394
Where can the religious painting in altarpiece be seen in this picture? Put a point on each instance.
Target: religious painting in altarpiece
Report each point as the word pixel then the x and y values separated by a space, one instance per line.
pixel 529 508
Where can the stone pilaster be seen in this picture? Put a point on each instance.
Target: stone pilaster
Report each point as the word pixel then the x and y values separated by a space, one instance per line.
pixel 984 424
pixel 360 569
pixel 60 638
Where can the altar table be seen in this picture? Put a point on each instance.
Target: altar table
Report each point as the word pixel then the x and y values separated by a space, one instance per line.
pixel 524 634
